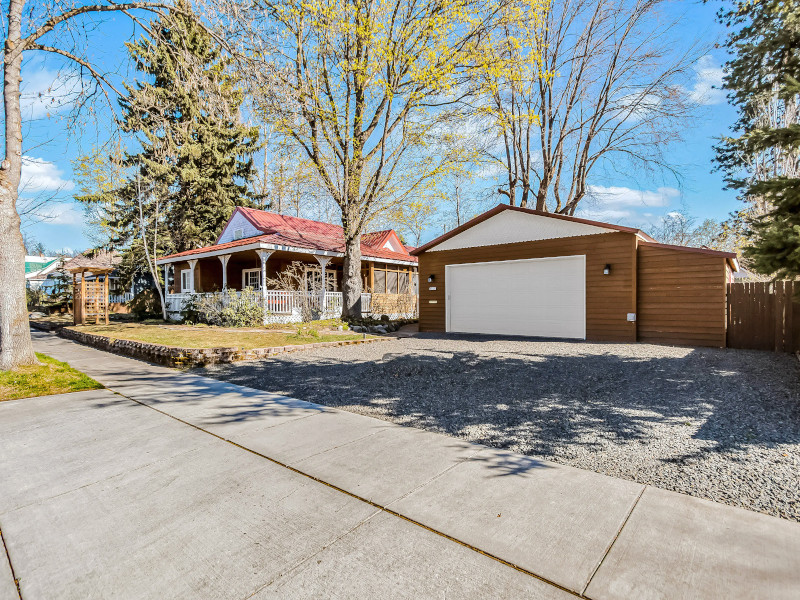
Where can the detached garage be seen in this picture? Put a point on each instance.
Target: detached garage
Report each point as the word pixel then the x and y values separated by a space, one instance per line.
pixel 516 271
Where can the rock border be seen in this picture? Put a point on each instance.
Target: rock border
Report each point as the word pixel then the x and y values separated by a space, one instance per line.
pixel 174 356
pixel 42 325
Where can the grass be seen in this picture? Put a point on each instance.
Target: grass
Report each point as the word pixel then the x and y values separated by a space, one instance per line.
pixel 183 336
pixel 51 377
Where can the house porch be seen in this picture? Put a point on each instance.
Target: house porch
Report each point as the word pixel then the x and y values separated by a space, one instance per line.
pixel 389 288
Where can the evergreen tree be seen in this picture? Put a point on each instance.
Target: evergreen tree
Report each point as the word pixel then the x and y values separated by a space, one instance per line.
pixel 762 162
pixel 195 156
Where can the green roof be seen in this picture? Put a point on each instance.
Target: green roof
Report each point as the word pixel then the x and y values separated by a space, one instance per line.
pixel 35 265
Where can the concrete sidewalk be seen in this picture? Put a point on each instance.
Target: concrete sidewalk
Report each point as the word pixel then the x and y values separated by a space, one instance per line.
pixel 582 532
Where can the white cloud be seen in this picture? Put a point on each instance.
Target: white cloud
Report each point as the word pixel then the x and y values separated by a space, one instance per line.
pixel 45 91
pixel 39 175
pixel 707 88
pixel 622 205
pixel 61 214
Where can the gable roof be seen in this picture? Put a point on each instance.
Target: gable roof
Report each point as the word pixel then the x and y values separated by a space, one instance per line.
pixel 285 230
pixel 101 261
pixel 528 211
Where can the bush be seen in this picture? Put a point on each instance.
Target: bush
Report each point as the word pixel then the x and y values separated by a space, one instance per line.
pixel 306 332
pixel 227 309
pixel 35 298
pixel 146 304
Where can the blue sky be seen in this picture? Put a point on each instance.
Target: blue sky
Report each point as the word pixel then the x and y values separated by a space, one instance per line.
pixel 50 146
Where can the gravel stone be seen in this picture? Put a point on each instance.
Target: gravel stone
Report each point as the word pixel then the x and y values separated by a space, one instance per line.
pixel 718 424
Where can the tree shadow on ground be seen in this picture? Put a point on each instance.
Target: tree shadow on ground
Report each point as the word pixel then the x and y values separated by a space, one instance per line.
pixel 539 402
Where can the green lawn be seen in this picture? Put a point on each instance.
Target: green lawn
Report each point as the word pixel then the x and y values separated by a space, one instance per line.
pixel 183 336
pixel 51 377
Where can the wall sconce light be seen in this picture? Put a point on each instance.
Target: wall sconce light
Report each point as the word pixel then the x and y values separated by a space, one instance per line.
pixel 431 278
pixel 607 270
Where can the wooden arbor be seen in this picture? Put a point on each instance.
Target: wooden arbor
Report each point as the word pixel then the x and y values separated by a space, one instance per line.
pixel 90 297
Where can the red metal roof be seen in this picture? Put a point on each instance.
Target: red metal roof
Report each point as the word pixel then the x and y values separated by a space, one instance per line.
pixel 376 239
pixel 285 230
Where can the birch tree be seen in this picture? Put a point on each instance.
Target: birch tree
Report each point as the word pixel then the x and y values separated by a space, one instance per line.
pixel 361 86
pixel 45 26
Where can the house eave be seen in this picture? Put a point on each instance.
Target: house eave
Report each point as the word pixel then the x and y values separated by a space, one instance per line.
pixel 275 247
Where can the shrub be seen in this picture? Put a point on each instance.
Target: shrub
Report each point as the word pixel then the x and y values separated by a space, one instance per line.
pixel 35 298
pixel 146 304
pixel 227 309
pixel 306 332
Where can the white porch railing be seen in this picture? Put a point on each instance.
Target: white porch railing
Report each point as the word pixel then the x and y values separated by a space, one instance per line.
pixel 282 306
pixel 121 298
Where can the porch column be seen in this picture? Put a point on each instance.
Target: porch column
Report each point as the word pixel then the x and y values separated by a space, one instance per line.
pixel 192 262
pixel 323 262
pixel 264 255
pixel 224 258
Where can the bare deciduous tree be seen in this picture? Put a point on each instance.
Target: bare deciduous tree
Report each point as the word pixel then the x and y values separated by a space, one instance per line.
pixel 42 20
pixel 605 87
pixel 150 206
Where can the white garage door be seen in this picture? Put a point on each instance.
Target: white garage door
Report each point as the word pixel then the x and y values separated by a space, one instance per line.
pixel 542 297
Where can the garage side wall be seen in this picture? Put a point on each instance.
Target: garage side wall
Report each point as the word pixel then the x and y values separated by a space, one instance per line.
pixel 609 298
pixel 681 297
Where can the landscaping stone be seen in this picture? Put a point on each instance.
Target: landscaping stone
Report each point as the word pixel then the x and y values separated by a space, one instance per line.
pixel 173 356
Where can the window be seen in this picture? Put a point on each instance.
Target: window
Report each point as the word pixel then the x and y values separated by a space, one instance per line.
pixel 238 234
pixel 313 275
pixel 186 280
pixel 251 278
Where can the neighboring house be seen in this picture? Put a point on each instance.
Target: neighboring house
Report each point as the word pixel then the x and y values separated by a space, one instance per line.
pixel 517 271
pixel 255 246
pixel 38 269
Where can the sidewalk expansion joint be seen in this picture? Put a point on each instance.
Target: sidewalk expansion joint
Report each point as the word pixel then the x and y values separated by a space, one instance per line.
pixel 611 545
pixel 10 565
pixel 367 501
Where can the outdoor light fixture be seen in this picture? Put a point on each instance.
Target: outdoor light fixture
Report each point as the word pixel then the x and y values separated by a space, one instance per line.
pixel 607 270
pixel 431 278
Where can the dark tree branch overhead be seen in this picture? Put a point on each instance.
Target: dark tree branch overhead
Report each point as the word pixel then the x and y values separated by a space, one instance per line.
pixel 84 63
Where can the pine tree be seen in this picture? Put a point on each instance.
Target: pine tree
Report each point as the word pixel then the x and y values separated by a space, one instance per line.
pixel 762 162
pixel 195 154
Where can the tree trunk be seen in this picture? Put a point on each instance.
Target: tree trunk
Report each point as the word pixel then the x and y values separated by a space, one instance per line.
pixel 351 286
pixel 16 348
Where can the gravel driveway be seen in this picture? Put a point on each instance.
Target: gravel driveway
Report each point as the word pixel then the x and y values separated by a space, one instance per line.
pixel 717 424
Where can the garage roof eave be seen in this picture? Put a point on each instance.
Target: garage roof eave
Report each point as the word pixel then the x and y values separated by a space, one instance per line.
pixel 731 257
pixel 502 207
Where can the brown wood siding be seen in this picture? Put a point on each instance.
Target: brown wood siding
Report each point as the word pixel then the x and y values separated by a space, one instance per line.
pixel 681 297
pixel 609 298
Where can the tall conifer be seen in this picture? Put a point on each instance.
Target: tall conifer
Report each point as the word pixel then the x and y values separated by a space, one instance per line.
pixel 763 161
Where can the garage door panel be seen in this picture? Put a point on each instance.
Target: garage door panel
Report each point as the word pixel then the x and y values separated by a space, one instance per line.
pixel 535 297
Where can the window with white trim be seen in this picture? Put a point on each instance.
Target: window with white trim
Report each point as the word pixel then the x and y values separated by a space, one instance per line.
pixel 251 278
pixel 186 280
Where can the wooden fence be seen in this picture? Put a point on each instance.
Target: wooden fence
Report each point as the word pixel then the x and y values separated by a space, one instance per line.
pixel 764 316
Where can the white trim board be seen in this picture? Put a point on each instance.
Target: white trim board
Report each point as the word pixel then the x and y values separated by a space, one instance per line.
pixel 257 245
